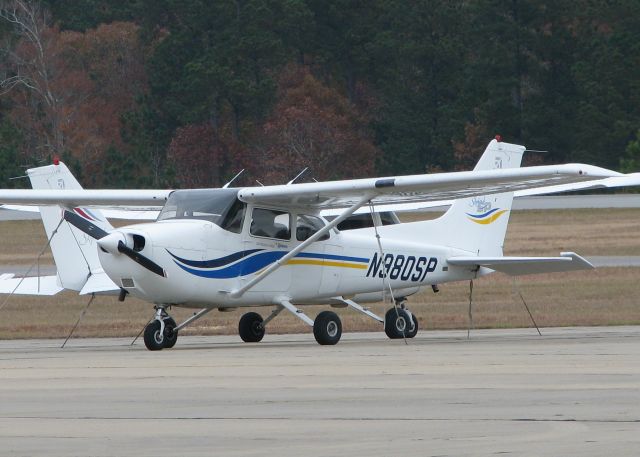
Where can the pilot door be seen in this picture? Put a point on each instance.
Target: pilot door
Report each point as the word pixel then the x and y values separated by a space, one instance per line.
pixel 266 239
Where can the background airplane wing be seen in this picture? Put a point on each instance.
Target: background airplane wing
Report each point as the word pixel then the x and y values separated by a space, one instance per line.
pixel 629 180
pixel 421 188
pixel 128 213
pixel 84 197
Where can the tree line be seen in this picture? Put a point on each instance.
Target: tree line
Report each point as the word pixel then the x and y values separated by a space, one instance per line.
pixel 155 93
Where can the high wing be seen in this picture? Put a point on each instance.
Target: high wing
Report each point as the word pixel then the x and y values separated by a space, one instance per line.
pixel 328 195
pixel 420 188
pixel 628 180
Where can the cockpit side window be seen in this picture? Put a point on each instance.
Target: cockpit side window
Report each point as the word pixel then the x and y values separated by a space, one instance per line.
pixel 270 223
pixel 232 221
pixel 307 226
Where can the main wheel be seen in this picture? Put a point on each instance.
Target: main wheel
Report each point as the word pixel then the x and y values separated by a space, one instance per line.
pixel 413 332
pixel 327 328
pixel 170 335
pixel 250 328
pixel 153 338
pixel 397 323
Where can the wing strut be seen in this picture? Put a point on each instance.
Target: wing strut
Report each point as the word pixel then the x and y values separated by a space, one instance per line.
pixel 302 246
pixel 376 223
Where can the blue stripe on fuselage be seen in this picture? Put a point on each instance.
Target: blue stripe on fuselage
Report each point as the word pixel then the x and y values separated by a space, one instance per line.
pixel 250 263
pixel 215 263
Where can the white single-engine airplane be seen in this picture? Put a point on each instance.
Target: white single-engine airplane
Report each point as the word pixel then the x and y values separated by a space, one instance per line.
pixel 269 246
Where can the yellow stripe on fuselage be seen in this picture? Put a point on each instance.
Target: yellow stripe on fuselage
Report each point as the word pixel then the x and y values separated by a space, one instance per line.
pixel 326 263
pixel 490 219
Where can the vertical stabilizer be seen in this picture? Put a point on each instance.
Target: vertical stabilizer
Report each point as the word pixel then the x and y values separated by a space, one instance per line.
pixel 477 225
pixel 74 252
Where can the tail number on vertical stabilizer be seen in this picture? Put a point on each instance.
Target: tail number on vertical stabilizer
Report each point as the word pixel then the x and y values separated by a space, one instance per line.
pixel 405 268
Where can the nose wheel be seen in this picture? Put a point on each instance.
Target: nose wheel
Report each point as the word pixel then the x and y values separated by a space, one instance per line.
pixel 160 333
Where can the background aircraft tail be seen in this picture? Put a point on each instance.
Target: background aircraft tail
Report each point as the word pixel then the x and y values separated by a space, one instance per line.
pixel 74 252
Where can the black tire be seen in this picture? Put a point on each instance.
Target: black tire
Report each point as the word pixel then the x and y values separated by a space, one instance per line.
pixel 250 328
pixel 327 328
pixel 153 338
pixel 396 323
pixel 413 332
pixel 170 335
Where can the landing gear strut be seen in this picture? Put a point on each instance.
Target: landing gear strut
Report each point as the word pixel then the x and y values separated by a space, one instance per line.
pixel 161 332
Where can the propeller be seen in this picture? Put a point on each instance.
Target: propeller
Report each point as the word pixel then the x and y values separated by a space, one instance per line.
pixel 112 242
pixel 140 259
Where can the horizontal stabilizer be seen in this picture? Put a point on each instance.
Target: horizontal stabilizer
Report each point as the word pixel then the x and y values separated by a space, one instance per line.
pixel 43 285
pixel 99 283
pixel 517 266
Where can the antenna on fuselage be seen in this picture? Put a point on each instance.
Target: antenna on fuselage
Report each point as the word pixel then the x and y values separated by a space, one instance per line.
pixel 233 179
pixel 299 176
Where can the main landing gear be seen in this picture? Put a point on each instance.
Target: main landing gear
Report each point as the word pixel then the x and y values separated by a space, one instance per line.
pixel 399 322
pixel 327 327
pixel 251 328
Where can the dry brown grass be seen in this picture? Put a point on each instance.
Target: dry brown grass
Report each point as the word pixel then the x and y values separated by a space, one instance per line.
pixel 21 241
pixel 606 296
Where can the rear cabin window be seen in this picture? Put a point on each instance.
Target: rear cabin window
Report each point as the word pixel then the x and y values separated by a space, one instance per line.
pixel 365 220
pixel 307 226
pixel 269 223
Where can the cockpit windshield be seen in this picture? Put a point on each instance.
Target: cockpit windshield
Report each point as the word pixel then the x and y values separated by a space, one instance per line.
pixel 220 206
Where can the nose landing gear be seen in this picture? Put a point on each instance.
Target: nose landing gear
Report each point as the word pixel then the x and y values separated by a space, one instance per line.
pixel 161 332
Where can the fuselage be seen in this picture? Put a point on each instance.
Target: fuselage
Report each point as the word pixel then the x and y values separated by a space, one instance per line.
pixel 204 263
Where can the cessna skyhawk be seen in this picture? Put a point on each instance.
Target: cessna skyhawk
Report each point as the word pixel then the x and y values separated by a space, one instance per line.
pixel 270 246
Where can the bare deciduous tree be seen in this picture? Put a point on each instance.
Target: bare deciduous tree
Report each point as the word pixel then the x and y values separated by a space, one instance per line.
pixel 26 66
